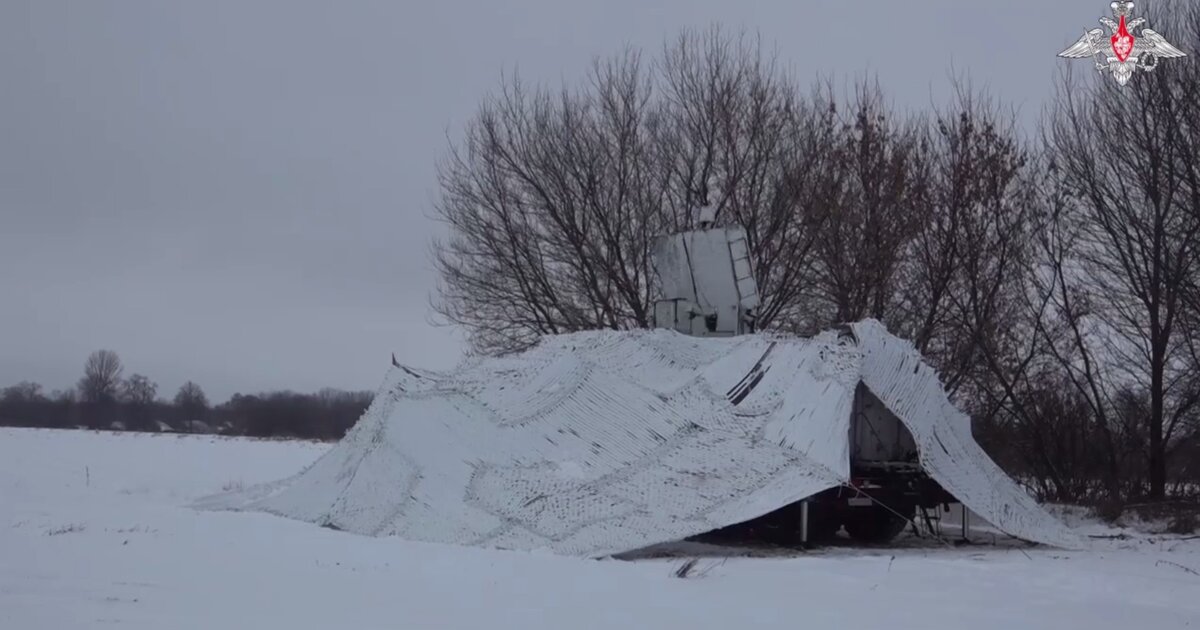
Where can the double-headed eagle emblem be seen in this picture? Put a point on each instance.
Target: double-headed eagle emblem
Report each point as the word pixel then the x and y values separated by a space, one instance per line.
pixel 1123 53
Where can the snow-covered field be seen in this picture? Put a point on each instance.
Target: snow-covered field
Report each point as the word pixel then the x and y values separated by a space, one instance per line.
pixel 95 532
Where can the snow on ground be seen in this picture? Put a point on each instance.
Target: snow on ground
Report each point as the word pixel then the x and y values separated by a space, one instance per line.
pixel 95 533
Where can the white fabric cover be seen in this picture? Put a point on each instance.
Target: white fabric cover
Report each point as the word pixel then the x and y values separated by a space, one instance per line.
pixel 602 442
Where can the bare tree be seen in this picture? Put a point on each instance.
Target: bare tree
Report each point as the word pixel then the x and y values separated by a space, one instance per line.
pixel 537 245
pixel 101 380
pixel 138 393
pixel 192 403
pixel 1128 159
pixel 553 199
pixel 99 387
pixel 23 392
pixel 965 272
pixel 872 199
pixel 138 390
pixel 23 404
pixel 1187 423
pixel 925 225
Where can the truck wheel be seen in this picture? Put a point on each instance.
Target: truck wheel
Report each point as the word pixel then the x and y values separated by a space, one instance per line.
pixel 875 525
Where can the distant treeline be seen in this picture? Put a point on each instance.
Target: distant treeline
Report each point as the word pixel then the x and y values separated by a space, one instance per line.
pixel 103 399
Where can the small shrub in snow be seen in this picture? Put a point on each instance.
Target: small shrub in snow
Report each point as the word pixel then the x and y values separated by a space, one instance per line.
pixel 691 569
pixel 685 570
pixel 67 529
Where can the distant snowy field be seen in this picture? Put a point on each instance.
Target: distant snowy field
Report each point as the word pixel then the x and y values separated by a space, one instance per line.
pixel 95 532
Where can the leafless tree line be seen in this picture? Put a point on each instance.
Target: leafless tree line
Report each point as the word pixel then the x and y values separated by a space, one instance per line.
pixel 102 399
pixel 1052 276
pixel 1105 392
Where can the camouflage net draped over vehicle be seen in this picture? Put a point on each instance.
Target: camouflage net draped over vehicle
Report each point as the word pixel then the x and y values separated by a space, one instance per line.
pixel 597 443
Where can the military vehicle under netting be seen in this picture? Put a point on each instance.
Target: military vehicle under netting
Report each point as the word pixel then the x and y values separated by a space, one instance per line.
pixel 603 442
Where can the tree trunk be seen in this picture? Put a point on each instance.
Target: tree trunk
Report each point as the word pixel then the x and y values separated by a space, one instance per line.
pixel 1158 459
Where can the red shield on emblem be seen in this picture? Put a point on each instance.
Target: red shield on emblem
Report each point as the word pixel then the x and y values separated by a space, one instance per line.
pixel 1122 42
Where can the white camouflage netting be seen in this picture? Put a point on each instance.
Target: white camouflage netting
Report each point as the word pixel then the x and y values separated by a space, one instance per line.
pixel 597 443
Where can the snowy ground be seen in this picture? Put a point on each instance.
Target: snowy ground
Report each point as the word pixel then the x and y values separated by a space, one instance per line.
pixel 95 533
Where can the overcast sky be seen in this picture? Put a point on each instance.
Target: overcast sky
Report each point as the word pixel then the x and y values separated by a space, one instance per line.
pixel 239 192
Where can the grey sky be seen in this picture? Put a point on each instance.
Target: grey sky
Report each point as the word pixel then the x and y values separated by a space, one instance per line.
pixel 238 192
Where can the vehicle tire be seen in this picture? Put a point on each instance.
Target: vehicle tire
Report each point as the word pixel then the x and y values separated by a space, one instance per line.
pixel 876 525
